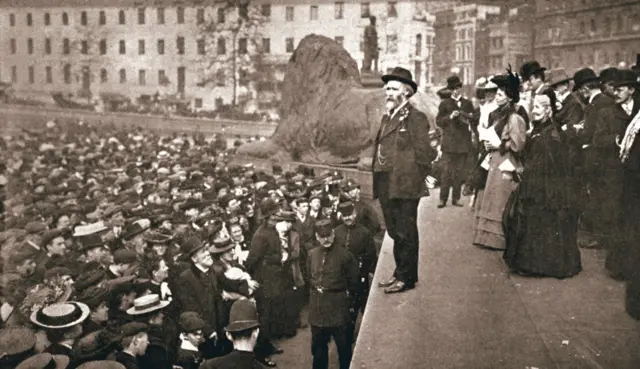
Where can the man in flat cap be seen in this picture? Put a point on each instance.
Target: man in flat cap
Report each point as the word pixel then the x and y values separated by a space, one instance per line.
pixel 333 279
pixel 401 163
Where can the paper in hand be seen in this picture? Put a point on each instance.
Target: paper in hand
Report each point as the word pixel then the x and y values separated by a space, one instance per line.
pixel 489 135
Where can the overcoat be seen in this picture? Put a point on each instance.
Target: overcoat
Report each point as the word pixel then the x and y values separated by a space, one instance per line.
pixel 413 154
pixel 200 292
pixel 456 133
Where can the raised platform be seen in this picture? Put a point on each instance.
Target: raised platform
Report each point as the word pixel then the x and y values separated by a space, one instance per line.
pixel 468 312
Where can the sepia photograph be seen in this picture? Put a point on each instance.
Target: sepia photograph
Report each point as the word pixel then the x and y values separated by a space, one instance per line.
pixel 322 184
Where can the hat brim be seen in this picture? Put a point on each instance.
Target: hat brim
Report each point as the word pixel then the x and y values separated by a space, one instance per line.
pixel 566 80
pixel 84 308
pixel 216 250
pixel 392 77
pixel 163 303
pixel 242 325
pixel 632 83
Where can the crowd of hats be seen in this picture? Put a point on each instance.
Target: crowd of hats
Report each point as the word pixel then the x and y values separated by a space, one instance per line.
pixel 98 188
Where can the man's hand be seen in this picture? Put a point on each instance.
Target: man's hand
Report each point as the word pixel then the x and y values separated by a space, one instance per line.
pixel 455 114
pixel 253 285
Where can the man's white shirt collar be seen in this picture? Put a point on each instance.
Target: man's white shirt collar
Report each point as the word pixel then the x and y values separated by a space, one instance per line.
pixel 593 96
pixel 628 106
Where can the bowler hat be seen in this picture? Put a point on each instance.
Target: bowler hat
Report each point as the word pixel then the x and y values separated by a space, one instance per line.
pixel 626 77
pixel 132 230
pixel 93 296
pixel 124 256
pixel 191 321
pixel 530 68
pixel 583 76
pixel 60 315
pixel 268 207
pixel 192 245
pixel 453 82
pixel 243 316
pixel 558 76
pixel 147 304
pixel 402 75
pixel 45 361
pixel 323 227
pixel 96 345
pixel 91 241
pixel 284 216
pixel 608 74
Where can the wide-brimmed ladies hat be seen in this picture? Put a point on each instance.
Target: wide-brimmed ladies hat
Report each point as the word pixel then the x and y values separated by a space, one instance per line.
pixel 147 304
pixel 61 315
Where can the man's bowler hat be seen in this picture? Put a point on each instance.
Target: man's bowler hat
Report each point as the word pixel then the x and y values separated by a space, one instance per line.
pixel 243 316
pixel 402 75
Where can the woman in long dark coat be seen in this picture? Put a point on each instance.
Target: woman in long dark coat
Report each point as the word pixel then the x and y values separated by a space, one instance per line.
pixel 541 221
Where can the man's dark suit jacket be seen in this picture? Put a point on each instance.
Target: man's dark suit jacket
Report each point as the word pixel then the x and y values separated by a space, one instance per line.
pixel 200 292
pixel 571 112
pixel 413 155
pixel 234 360
pixel 612 122
pixel 456 134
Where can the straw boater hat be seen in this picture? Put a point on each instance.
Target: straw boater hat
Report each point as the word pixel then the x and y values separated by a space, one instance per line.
pixel 61 315
pixel 147 304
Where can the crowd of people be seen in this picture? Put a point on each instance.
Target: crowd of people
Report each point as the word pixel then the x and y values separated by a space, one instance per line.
pixel 126 248
pixel 552 163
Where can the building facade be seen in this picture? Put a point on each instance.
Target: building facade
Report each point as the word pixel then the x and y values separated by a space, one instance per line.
pixel 503 39
pixel 141 47
pixel 586 33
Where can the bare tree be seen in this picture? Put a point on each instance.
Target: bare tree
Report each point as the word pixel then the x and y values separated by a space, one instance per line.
pixel 233 48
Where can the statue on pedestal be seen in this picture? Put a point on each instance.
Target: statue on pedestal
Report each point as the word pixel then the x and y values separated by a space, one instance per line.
pixel 370 47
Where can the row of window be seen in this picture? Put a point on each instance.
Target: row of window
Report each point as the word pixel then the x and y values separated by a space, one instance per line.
pixel 84 46
pixel 200 14
pixel 67 76
pixel 603 26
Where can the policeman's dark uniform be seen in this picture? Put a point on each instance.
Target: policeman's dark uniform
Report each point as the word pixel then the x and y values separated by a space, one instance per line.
pixel 333 273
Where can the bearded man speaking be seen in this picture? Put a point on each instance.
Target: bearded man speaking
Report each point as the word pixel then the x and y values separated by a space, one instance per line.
pixel 401 162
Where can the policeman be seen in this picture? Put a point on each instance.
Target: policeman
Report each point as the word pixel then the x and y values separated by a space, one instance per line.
pixel 333 275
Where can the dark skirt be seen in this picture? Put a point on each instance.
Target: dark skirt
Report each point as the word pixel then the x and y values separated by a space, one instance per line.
pixel 541 241
pixel 279 315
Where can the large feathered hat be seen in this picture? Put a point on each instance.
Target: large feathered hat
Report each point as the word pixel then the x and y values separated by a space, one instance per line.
pixel 510 83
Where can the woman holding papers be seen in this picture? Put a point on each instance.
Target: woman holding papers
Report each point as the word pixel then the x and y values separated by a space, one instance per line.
pixel 541 221
pixel 503 141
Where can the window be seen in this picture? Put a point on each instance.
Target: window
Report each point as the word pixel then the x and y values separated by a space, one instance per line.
pixel 265 10
pixel 121 17
pixel 162 77
pixel 201 47
pixel 243 10
pixel 66 71
pixel 160 15
pixel 583 29
pixel 220 78
pixel 242 45
pixel 392 43
pixel 47 19
pixel 103 47
pixel 467 52
pixel 123 47
pixel 12 20
pixel 14 74
pixel 66 46
pixel 418 44
pixel 84 47
pixel 180 45
pixel 13 45
pixel 103 75
pixel 339 10
pixel 48 75
pixel 83 18
pixel 364 10
pixel 198 103
pixel 47 46
pixel 289 44
pixel 620 23
pixel 392 12
pixel 32 75
pixel 458 52
pixel 593 25
pixel 339 40
pixel 123 76
pixel 180 15
pixel 200 16
pixel 243 77
pixel 102 18
pixel 141 47
pixel 461 34
pixel 221 15
pixel 313 12
pixel 289 13
pixel 266 45
pixel 141 16
pixel 65 19
pixel 142 77
pixel 221 47
pixel 29 19
pixel 161 47
pixel 469 33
